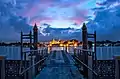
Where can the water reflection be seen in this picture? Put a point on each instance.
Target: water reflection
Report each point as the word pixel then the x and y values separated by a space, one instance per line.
pixel 12 52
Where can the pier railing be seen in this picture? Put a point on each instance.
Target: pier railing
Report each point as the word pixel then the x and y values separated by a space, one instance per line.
pixel 95 74
pixel 80 57
pixel 79 52
pixel 30 70
pixel 104 68
pixel 23 69
pixel 21 73
pixel 36 60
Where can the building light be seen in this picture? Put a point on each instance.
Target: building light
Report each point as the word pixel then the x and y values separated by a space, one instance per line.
pixel 50 45
pixel 75 44
pixel 64 45
pixel 61 45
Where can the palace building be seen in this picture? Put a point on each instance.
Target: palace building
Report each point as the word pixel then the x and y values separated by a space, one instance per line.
pixel 66 43
pixel 63 44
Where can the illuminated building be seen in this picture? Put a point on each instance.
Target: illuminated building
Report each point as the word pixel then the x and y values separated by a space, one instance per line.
pixel 63 44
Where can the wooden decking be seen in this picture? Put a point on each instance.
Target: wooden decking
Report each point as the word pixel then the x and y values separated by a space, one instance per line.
pixel 59 65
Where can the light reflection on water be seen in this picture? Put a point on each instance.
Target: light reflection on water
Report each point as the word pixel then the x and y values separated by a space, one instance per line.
pixel 103 53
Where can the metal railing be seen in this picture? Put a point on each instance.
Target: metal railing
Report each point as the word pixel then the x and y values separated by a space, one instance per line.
pixel 33 50
pixel 88 50
pixel 86 66
pixel 32 66
pixel 80 52
pixel 31 62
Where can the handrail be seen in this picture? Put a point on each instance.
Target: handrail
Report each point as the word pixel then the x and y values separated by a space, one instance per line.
pixel 86 50
pixel 28 52
pixel 32 66
pixel 87 66
pixel 33 50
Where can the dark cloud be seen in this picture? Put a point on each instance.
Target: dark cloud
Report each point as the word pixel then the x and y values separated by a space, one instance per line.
pixel 102 3
pixel 98 8
pixel 106 23
pixel 10 24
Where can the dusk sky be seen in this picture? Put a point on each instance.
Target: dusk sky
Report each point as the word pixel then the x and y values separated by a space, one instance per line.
pixel 61 17
pixel 59 13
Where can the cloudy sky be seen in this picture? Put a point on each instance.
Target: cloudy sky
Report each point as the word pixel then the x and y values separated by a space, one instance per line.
pixel 59 13
pixel 100 15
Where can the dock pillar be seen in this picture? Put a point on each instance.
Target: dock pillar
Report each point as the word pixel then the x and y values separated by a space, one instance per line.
pixel 30 71
pixel 85 53
pixel 90 75
pixel 2 67
pixel 35 35
pixel 33 69
pixel 117 67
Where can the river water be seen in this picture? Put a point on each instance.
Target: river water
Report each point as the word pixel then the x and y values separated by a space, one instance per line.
pixel 103 53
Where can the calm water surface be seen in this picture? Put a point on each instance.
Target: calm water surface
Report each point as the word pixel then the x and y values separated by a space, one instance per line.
pixel 103 53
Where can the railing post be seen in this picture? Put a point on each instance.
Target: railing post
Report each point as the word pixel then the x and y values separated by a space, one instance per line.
pixel 117 67
pixel 31 53
pixel 90 61
pixel 33 69
pixel 95 47
pixel 30 64
pixel 85 53
pixel 21 46
pixel 25 65
pixel 74 51
pixel 2 66
pixel 35 35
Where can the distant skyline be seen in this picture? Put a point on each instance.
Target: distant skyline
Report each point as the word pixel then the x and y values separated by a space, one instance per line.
pixel 59 18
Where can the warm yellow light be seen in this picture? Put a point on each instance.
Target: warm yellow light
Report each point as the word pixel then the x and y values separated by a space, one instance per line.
pixel 50 45
pixel 64 45
pixel 54 42
pixel 75 44
pixel 67 45
pixel 61 45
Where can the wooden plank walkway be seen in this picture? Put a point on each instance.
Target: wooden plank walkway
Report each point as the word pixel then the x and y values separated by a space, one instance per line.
pixel 59 65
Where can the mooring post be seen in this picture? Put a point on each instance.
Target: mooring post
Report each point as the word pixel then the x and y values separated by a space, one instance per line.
pixel 95 47
pixel 90 60
pixel 31 46
pixel 33 69
pixel 25 66
pixel 21 46
pixel 74 51
pixel 2 67
pixel 85 53
pixel 30 56
pixel 30 73
pixel 117 67
pixel 35 35
pixel 35 31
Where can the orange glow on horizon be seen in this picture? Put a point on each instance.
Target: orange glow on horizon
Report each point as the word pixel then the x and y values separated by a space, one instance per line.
pixel 62 43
